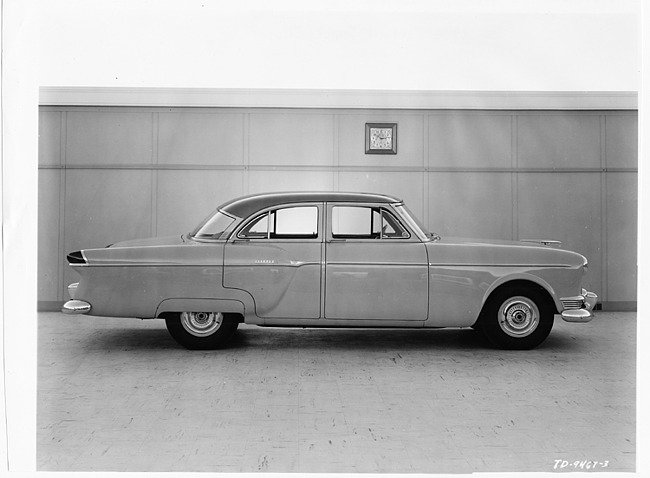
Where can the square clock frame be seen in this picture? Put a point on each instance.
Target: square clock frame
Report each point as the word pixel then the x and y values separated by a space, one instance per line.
pixel 381 138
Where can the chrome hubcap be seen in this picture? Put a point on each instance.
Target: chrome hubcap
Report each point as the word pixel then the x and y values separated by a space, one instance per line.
pixel 518 316
pixel 201 324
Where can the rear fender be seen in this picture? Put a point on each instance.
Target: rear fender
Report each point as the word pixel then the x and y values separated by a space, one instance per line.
pixel 227 306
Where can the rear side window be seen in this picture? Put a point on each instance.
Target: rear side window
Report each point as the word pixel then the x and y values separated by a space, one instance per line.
pixel 361 222
pixel 286 223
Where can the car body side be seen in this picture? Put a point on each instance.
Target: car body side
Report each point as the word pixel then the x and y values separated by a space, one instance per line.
pixel 426 283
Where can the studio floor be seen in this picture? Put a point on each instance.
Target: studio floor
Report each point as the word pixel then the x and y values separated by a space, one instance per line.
pixel 120 395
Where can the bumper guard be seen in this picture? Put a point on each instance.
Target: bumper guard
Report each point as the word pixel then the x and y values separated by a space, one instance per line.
pixel 76 307
pixel 583 313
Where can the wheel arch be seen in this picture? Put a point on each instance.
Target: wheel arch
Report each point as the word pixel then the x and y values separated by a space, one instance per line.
pixel 225 306
pixel 532 282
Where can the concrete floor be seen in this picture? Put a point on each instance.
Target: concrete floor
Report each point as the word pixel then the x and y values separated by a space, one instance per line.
pixel 120 395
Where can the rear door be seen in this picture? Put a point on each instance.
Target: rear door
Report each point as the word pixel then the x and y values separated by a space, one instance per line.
pixel 276 258
pixel 375 267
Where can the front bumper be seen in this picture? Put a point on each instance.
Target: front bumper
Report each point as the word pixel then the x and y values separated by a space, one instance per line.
pixel 579 308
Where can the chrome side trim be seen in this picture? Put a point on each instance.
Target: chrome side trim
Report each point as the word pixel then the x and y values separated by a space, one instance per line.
pixel 300 263
pixel 150 264
pixel 73 307
pixel 432 264
pixel 545 242
pixel 376 264
pixel 264 263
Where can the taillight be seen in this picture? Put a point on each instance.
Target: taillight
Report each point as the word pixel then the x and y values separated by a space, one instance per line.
pixel 76 257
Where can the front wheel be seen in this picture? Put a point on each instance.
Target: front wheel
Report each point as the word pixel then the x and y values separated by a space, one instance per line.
pixel 517 319
pixel 201 330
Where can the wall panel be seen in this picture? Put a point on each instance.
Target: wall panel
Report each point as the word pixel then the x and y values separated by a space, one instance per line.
pixel 187 137
pixel 408 186
pixel 622 141
pixel 109 174
pixel 107 206
pixel 471 204
pixel 101 138
pixel 49 138
pixel 621 219
pixel 558 140
pixel 565 207
pixel 268 180
pixel 184 198
pixel 49 188
pixel 284 138
pixel 470 140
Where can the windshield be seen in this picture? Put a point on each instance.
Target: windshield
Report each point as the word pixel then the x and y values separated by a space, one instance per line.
pixel 214 226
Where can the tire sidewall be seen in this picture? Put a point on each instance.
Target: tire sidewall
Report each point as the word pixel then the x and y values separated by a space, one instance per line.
pixel 489 321
pixel 215 340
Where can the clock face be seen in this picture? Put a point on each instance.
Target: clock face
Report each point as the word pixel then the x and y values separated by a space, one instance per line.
pixel 381 138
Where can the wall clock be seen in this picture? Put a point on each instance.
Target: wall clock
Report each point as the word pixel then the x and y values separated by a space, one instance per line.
pixel 381 138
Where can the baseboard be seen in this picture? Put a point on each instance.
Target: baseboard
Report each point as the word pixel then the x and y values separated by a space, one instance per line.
pixel 619 306
pixel 49 305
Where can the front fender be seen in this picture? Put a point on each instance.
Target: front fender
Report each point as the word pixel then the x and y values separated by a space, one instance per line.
pixel 457 294
pixel 527 277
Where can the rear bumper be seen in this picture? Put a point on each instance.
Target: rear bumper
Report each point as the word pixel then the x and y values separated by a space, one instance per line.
pixel 76 307
pixel 579 308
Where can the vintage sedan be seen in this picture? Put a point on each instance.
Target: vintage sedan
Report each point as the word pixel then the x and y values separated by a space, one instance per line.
pixel 330 260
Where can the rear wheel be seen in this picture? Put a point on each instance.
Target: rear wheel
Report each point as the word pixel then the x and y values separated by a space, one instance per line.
pixel 201 330
pixel 518 318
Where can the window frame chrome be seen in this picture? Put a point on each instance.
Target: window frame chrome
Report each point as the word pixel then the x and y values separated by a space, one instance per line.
pixel 414 236
pixel 223 236
pixel 235 235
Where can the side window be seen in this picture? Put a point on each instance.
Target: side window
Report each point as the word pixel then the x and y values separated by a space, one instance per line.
pixel 258 228
pixel 362 222
pixel 352 222
pixel 391 227
pixel 287 223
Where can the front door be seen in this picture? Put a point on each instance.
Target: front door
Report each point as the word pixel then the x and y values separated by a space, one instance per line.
pixel 276 258
pixel 375 268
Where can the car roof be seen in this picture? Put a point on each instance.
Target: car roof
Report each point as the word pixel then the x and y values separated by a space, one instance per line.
pixel 244 206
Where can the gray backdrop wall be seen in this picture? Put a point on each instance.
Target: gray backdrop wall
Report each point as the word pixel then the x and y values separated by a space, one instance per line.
pixel 113 173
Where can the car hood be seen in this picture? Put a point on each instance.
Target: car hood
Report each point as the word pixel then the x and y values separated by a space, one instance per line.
pixel 151 241
pixel 454 250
